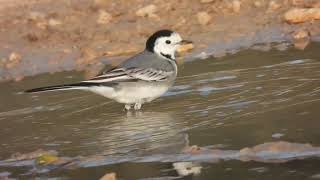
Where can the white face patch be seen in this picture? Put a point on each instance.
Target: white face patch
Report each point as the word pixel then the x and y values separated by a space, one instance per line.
pixel 166 46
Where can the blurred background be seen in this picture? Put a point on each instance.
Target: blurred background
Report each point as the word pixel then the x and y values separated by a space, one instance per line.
pixel 39 36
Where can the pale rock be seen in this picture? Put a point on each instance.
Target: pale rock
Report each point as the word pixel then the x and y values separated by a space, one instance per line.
pixel 315 176
pixel 258 3
pixel 206 1
pixel 203 18
pixel 187 168
pixel 39 19
pixel 300 15
pixel 15 57
pixel 146 11
pixel 155 17
pixel 18 77
pixel 300 34
pixel 180 22
pixel 109 176
pixel 101 3
pixel 42 24
pixel 54 22
pixel 277 135
pixel 273 5
pixel 236 5
pixel 301 39
pixel 35 16
pixel 104 17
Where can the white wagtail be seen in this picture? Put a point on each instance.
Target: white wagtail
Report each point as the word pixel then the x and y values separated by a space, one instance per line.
pixel 139 79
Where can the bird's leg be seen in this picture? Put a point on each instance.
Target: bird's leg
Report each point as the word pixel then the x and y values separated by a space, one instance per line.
pixel 127 107
pixel 137 106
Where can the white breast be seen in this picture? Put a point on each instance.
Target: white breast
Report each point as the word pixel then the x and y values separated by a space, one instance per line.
pixel 132 94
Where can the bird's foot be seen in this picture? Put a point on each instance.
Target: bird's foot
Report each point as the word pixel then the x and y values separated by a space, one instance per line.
pixel 127 107
pixel 137 106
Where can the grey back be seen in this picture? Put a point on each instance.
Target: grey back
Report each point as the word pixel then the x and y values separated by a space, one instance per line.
pixel 147 59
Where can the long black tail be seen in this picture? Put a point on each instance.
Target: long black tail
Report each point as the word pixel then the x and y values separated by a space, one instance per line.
pixel 81 85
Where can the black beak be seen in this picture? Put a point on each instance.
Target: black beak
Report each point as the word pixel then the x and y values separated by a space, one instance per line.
pixel 185 42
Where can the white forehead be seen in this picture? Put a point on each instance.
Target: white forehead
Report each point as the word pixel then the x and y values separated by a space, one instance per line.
pixel 175 36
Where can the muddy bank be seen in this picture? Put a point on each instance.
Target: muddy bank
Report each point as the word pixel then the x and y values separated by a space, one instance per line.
pixel 185 162
pixel 50 36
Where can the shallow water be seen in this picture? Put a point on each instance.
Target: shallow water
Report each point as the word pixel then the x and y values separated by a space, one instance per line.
pixel 237 101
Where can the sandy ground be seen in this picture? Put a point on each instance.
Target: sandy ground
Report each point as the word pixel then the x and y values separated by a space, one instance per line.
pixel 38 36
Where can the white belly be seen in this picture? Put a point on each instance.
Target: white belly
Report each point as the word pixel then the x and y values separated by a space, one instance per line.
pixel 132 94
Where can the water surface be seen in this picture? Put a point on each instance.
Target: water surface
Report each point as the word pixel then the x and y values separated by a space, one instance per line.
pixel 240 100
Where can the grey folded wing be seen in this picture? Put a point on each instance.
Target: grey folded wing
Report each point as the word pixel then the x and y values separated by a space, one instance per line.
pixel 131 74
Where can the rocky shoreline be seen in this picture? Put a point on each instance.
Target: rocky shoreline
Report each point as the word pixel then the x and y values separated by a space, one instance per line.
pixel 50 36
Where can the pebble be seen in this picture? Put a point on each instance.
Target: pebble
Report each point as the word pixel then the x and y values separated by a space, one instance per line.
pixel 300 34
pixel 147 11
pixel 258 4
pixel 307 3
pixel 54 22
pixel 277 135
pixel 203 18
pixel 35 15
pixel 121 51
pixel 101 3
pixel 109 176
pixel 187 168
pixel 180 22
pixel 315 176
pixel 206 1
pixel 104 17
pixel 301 39
pixel 300 15
pixel 236 5
pixel 273 5
pixel 15 57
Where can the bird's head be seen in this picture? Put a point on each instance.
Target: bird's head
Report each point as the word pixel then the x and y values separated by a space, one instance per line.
pixel 164 43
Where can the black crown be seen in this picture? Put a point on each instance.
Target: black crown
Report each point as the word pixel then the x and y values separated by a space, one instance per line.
pixel 152 39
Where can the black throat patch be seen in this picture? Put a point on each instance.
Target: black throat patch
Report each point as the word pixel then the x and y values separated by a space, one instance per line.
pixel 167 56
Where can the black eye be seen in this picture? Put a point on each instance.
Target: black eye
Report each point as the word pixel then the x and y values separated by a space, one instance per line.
pixel 168 41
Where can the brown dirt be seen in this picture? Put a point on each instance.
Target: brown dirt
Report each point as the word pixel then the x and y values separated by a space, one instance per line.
pixel 38 36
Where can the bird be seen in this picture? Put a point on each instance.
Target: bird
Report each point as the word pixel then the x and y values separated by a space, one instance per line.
pixel 137 80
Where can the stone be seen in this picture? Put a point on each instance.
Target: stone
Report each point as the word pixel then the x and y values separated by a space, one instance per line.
pixel 258 3
pixel 42 25
pixel 180 22
pixel 203 18
pixel 187 168
pixel 306 3
pixel 13 60
pixel 301 39
pixel 147 11
pixel 236 5
pixel 101 3
pixel 206 1
pixel 104 17
pixel 273 5
pixel 300 15
pixel 109 176
pixel 54 22
pixel 36 16
pixel 15 57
